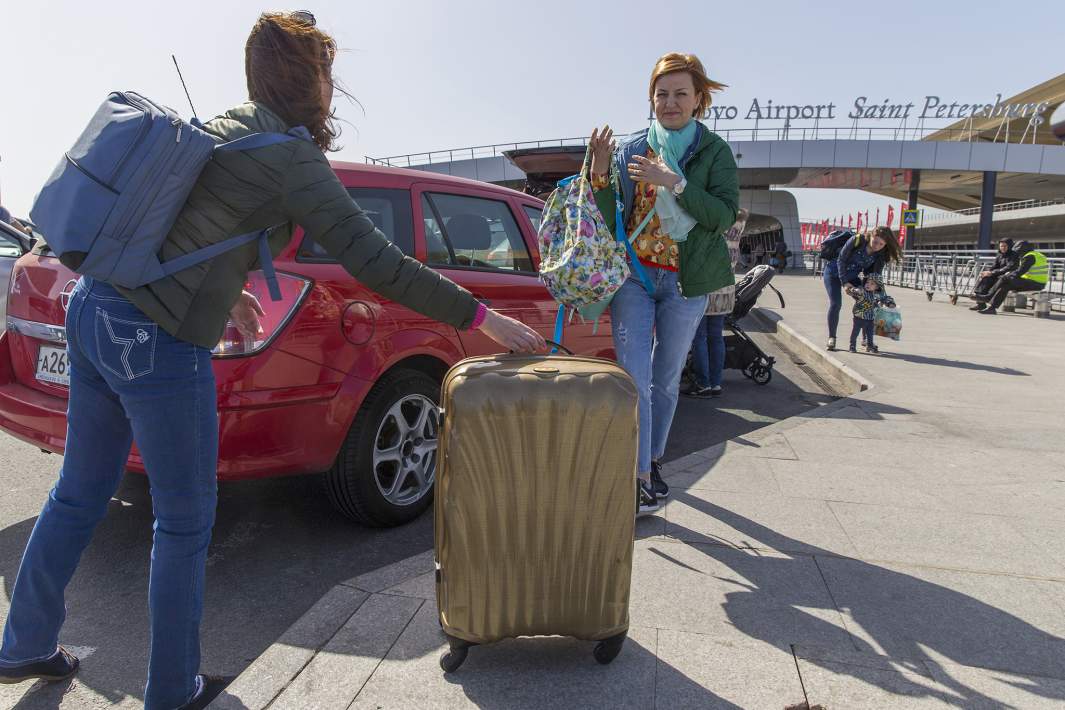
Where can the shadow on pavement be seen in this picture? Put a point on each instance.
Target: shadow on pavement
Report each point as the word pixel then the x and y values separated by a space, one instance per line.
pixel 944 362
pixel 908 618
pixel 278 547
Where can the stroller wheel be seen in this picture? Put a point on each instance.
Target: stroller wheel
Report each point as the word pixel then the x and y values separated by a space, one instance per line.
pixel 748 371
pixel 762 375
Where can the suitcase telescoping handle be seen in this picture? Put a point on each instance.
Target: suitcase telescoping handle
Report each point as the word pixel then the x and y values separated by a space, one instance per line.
pixel 555 346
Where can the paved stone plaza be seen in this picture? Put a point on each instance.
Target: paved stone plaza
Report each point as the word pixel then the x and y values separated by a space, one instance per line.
pixel 897 548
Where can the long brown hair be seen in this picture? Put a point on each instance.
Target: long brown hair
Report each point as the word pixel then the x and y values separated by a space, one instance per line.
pixel 285 59
pixel 677 62
pixel 892 250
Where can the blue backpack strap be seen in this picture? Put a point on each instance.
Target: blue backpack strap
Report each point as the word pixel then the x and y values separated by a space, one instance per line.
pixel 185 261
pixel 266 260
pixel 560 324
pixel 261 140
pixel 619 231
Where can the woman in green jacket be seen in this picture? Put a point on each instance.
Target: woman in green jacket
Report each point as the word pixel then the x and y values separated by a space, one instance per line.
pixel 141 360
pixel 679 192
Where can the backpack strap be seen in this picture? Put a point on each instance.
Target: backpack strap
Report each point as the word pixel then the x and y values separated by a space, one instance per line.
pixel 560 324
pixel 185 261
pixel 266 259
pixel 621 236
pixel 261 140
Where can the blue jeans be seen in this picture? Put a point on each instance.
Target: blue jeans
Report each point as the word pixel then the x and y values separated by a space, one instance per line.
pixel 708 359
pixel 867 329
pixel 835 299
pixel 652 335
pixel 128 380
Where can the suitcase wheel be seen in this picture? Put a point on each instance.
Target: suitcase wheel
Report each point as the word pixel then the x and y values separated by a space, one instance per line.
pixel 608 649
pixel 452 660
pixel 454 657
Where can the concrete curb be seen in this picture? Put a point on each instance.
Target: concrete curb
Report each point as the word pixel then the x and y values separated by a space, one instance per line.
pixel 800 345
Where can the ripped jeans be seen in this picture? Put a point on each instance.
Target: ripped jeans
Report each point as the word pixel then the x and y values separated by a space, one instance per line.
pixel 129 379
pixel 652 336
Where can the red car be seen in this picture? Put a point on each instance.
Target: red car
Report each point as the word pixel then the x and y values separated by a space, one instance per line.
pixel 341 380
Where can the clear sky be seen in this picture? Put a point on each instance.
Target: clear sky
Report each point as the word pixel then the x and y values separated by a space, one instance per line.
pixel 433 75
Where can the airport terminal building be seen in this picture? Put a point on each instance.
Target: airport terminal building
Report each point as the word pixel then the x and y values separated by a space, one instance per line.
pixel 999 169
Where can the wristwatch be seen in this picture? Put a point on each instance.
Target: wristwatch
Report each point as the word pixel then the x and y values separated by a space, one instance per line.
pixel 679 187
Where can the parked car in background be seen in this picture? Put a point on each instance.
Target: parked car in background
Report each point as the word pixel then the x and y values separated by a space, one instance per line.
pixel 13 244
pixel 341 380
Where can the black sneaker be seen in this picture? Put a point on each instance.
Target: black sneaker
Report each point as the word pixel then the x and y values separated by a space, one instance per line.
pixel 978 307
pixel 853 349
pixel 697 392
pixel 989 311
pixel 61 666
pixel 646 500
pixel 209 688
pixel 660 486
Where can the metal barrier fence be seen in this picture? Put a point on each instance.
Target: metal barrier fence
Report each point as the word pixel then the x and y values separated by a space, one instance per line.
pixel 954 273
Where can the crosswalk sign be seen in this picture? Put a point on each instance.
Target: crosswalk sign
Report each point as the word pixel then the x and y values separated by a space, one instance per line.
pixel 910 218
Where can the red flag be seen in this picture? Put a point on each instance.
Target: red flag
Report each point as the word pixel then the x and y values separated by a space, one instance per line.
pixel 867 219
pixel 902 227
pixel 890 215
pixel 878 216
pixel 859 227
pixel 850 220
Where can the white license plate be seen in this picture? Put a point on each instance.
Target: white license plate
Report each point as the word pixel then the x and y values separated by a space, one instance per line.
pixel 53 365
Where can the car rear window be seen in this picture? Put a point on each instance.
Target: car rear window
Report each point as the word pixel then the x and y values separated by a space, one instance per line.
pixel 391 213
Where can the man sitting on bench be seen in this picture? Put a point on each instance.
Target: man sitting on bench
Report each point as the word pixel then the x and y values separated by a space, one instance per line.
pixel 1031 274
pixel 1005 262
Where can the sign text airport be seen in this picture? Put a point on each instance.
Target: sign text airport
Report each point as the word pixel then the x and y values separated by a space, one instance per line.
pixel 932 107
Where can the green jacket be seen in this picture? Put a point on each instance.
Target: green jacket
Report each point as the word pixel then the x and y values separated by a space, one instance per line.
pixel 711 197
pixel 287 183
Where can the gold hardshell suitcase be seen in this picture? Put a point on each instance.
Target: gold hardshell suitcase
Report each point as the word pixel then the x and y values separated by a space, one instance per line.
pixel 535 501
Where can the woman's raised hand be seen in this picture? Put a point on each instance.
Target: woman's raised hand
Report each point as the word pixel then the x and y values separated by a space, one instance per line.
pixel 655 172
pixel 602 146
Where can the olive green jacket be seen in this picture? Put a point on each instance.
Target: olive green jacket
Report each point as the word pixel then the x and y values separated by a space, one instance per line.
pixel 283 184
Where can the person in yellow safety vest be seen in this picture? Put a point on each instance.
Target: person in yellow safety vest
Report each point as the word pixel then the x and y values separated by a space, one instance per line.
pixel 1031 274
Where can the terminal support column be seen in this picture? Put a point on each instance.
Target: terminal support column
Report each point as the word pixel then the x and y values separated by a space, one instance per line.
pixel 915 185
pixel 987 207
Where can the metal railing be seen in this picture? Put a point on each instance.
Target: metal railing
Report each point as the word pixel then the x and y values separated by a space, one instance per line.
pixel 954 273
pixel 730 134
pixel 941 217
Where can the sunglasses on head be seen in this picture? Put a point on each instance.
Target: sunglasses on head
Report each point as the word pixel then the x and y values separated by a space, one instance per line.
pixel 304 16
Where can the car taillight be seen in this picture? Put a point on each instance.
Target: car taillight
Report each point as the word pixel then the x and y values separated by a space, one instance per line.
pixel 277 314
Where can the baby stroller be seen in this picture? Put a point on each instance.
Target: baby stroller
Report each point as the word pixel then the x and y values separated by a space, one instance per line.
pixel 741 353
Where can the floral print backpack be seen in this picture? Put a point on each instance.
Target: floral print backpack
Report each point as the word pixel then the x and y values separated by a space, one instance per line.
pixel 582 264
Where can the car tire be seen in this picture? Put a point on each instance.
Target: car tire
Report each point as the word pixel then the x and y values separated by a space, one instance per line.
pixel 375 479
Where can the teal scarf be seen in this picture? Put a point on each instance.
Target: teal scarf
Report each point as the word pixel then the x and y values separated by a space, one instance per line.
pixel 671 146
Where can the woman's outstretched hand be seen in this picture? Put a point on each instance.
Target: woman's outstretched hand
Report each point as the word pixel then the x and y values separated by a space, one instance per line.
pixel 511 334
pixel 602 146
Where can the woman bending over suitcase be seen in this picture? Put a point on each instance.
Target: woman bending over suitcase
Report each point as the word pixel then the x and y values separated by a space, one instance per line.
pixel 679 193
pixel 169 403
